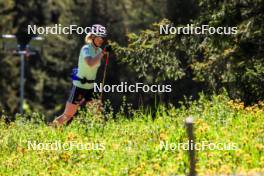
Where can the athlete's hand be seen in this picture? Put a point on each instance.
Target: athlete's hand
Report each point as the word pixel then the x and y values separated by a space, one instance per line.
pixel 107 48
pixel 102 54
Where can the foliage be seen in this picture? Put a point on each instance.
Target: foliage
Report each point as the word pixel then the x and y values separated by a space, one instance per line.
pixel 234 62
pixel 135 146
pixel 152 56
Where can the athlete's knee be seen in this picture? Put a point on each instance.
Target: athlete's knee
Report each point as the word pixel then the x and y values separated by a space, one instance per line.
pixel 70 110
pixel 68 115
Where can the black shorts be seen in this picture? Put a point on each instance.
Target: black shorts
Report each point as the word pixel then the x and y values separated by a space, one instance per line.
pixel 80 96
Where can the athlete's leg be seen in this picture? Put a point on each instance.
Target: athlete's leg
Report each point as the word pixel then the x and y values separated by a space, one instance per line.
pixel 71 107
pixel 68 114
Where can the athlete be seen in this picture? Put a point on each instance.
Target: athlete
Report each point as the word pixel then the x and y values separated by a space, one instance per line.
pixel 89 61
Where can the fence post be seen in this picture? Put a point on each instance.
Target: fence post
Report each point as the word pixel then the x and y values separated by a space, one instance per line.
pixel 191 146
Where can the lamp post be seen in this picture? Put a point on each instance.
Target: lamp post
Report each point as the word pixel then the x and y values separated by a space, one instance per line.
pixel 11 44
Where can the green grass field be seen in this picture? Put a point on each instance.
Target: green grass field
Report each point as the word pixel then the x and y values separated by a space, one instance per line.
pixel 140 145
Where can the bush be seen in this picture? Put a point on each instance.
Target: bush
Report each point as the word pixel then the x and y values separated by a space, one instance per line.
pixel 234 62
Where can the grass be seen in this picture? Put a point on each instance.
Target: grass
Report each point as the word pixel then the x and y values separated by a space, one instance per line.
pixel 140 145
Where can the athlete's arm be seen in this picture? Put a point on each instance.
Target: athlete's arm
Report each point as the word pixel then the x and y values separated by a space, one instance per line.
pixel 91 61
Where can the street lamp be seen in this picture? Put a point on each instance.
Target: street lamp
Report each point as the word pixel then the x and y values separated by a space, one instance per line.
pixel 12 44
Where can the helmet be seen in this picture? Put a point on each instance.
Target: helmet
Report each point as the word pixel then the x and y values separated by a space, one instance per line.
pixel 99 30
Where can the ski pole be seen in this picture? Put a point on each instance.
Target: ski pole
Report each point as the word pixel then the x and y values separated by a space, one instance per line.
pixel 104 76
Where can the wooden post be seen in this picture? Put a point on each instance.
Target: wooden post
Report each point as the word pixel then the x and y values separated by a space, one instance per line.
pixel 191 150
